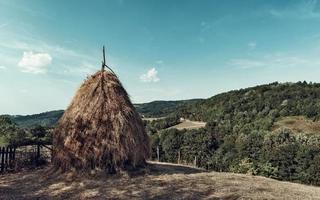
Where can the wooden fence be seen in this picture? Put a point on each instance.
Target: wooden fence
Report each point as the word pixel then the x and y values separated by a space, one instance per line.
pixel 194 163
pixel 7 156
pixel 15 158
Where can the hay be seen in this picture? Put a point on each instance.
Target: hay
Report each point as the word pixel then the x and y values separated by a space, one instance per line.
pixel 100 129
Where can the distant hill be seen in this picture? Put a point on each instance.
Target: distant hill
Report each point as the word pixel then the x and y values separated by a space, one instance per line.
pixel 162 108
pixel 50 118
pixel 259 102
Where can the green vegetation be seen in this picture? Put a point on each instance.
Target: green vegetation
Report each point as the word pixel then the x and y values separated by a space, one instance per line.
pixel 46 119
pixel 271 130
pixel 162 123
pixel 161 108
pixel 49 119
pixel 11 134
pixel 239 135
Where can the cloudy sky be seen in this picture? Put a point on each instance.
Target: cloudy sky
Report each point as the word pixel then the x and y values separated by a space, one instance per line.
pixel 161 50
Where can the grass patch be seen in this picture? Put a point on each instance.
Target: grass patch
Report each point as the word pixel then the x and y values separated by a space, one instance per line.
pixel 298 124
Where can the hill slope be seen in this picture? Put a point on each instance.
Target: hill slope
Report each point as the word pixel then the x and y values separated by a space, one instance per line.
pixel 152 109
pixel 239 135
pixel 162 181
pixel 44 119
pixel 162 108
pixel 273 100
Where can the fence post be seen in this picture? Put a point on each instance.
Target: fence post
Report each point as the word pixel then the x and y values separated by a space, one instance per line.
pixel 10 157
pixel 14 158
pixel 6 161
pixel 2 158
pixel 195 161
pixel 38 154
pixel 158 154
pixel 179 155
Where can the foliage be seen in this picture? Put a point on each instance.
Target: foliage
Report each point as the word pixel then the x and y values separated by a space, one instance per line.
pixel 11 134
pixel 161 108
pixel 46 119
pixel 239 136
pixel 162 123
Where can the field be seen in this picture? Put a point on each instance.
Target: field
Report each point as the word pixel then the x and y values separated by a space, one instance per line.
pixel 187 124
pixel 298 124
pixel 159 181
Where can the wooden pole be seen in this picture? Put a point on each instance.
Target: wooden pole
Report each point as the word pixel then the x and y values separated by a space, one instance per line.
pixel 104 59
pixel 158 154
pixel 10 157
pixel 38 154
pixel 14 158
pixel 2 150
pixel 104 56
pixel 6 161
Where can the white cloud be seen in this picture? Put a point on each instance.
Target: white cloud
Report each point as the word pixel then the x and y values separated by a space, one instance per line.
pixel 35 62
pixel 252 45
pixel 305 9
pixel 25 44
pixel 3 67
pixel 275 61
pixel 150 76
pixel 3 25
pixel 246 63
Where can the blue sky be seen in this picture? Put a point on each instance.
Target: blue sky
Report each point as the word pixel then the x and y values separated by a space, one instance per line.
pixel 161 50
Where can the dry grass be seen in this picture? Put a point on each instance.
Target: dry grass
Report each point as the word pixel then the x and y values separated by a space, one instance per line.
pixel 187 124
pixel 161 181
pixel 298 124
pixel 100 129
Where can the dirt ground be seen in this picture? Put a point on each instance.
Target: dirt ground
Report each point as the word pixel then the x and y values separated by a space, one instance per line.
pixel 159 181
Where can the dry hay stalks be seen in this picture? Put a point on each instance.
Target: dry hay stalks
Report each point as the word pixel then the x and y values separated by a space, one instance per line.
pixel 100 130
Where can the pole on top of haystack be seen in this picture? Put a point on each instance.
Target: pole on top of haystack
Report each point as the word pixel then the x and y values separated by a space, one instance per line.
pixel 104 62
pixel 104 59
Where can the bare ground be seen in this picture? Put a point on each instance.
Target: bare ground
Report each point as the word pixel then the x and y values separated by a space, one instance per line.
pixel 159 181
pixel 187 124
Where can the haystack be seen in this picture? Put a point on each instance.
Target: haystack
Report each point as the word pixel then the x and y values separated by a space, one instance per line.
pixel 100 129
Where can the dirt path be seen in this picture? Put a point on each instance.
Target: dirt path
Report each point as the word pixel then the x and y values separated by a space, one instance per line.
pixel 161 181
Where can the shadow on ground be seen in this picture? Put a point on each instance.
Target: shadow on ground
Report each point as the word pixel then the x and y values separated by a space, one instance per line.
pixel 157 181
pixel 168 168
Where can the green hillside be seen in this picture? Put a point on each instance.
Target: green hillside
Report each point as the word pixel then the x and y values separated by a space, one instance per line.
pixel 240 137
pixel 260 102
pixel 48 119
pixel 162 108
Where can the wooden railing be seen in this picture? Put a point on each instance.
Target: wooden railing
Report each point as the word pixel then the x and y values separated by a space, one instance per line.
pixel 15 158
pixel 7 158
